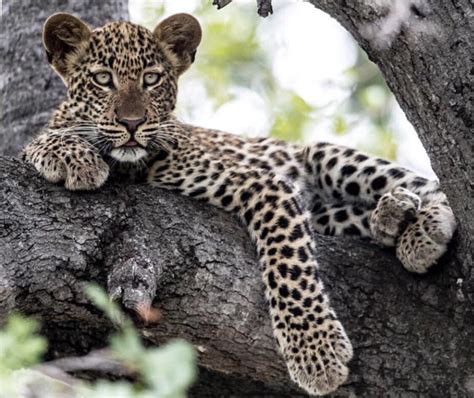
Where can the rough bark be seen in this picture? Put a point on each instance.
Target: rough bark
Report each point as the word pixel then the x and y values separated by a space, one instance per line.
pixel 411 334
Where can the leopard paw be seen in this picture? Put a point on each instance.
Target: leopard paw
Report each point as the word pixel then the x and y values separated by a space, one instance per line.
pixel 317 357
pixel 69 158
pixel 51 168
pixel 88 175
pixel 425 241
pixel 47 164
pixel 394 212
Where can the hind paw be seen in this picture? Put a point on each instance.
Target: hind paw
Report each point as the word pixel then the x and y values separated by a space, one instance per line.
pixel 425 241
pixel 394 212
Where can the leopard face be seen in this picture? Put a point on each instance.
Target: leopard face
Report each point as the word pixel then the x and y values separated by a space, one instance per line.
pixel 121 79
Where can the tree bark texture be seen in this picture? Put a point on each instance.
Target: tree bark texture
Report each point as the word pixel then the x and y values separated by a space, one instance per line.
pixel 412 335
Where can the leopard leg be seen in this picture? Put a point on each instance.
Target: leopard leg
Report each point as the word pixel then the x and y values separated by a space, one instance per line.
pixel 47 163
pixel 312 340
pixel 346 175
pixel 404 203
pixel 341 219
pixel 309 335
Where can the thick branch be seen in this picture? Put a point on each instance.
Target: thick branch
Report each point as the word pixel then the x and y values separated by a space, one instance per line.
pixel 409 333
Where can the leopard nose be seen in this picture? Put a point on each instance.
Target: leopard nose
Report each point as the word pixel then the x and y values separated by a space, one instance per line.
pixel 132 124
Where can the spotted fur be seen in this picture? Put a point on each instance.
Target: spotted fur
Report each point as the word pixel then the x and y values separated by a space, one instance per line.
pixel 113 121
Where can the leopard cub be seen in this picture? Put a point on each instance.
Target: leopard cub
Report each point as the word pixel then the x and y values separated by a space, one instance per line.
pixel 122 85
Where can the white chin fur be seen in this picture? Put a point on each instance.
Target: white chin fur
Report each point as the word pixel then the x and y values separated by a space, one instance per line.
pixel 133 154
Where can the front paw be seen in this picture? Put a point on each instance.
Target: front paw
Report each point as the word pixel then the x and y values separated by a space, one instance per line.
pixel 425 241
pixel 317 355
pixel 87 175
pixel 47 164
pixel 394 212
pixel 52 170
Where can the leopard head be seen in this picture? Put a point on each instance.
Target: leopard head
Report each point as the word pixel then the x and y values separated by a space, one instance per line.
pixel 121 79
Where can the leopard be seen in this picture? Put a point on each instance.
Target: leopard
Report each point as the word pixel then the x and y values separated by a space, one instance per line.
pixel 119 119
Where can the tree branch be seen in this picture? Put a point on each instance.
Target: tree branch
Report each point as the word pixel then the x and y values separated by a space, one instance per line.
pixel 209 287
pixel 99 361
pixel 424 50
pixel 221 3
pixel 264 7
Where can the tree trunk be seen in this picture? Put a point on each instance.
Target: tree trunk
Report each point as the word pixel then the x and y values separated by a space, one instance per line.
pixel 411 334
pixel 429 67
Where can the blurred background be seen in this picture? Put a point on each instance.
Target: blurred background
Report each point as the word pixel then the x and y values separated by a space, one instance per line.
pixel 296 75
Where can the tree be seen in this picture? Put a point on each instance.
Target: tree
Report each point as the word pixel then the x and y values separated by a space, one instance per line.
pixel 411 334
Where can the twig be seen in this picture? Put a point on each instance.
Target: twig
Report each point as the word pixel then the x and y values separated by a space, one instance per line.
pixel 52 379
pixel 264 8
pixel 45 381
pixel 57 374
pixel 99 360
pixel 221 3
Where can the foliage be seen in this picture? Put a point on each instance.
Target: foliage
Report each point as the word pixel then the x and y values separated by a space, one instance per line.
pixel 293 113
pixel 234 57
pixel 165 372
pixel 20 346
pixel 372 97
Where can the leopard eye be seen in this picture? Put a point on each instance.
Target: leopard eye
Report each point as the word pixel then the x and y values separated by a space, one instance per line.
pixel 103 79
pixel 151 79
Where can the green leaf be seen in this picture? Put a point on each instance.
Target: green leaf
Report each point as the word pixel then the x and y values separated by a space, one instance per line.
pixel 170 370
pixel 19 344
pixel 102 389
pixel 101 300
pixel 166 372
pixel 127 346
pixel 340 125
pixel 291 117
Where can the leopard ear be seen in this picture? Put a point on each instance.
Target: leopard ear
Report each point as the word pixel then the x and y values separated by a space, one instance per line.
pixel 180 34
pixel 63 34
